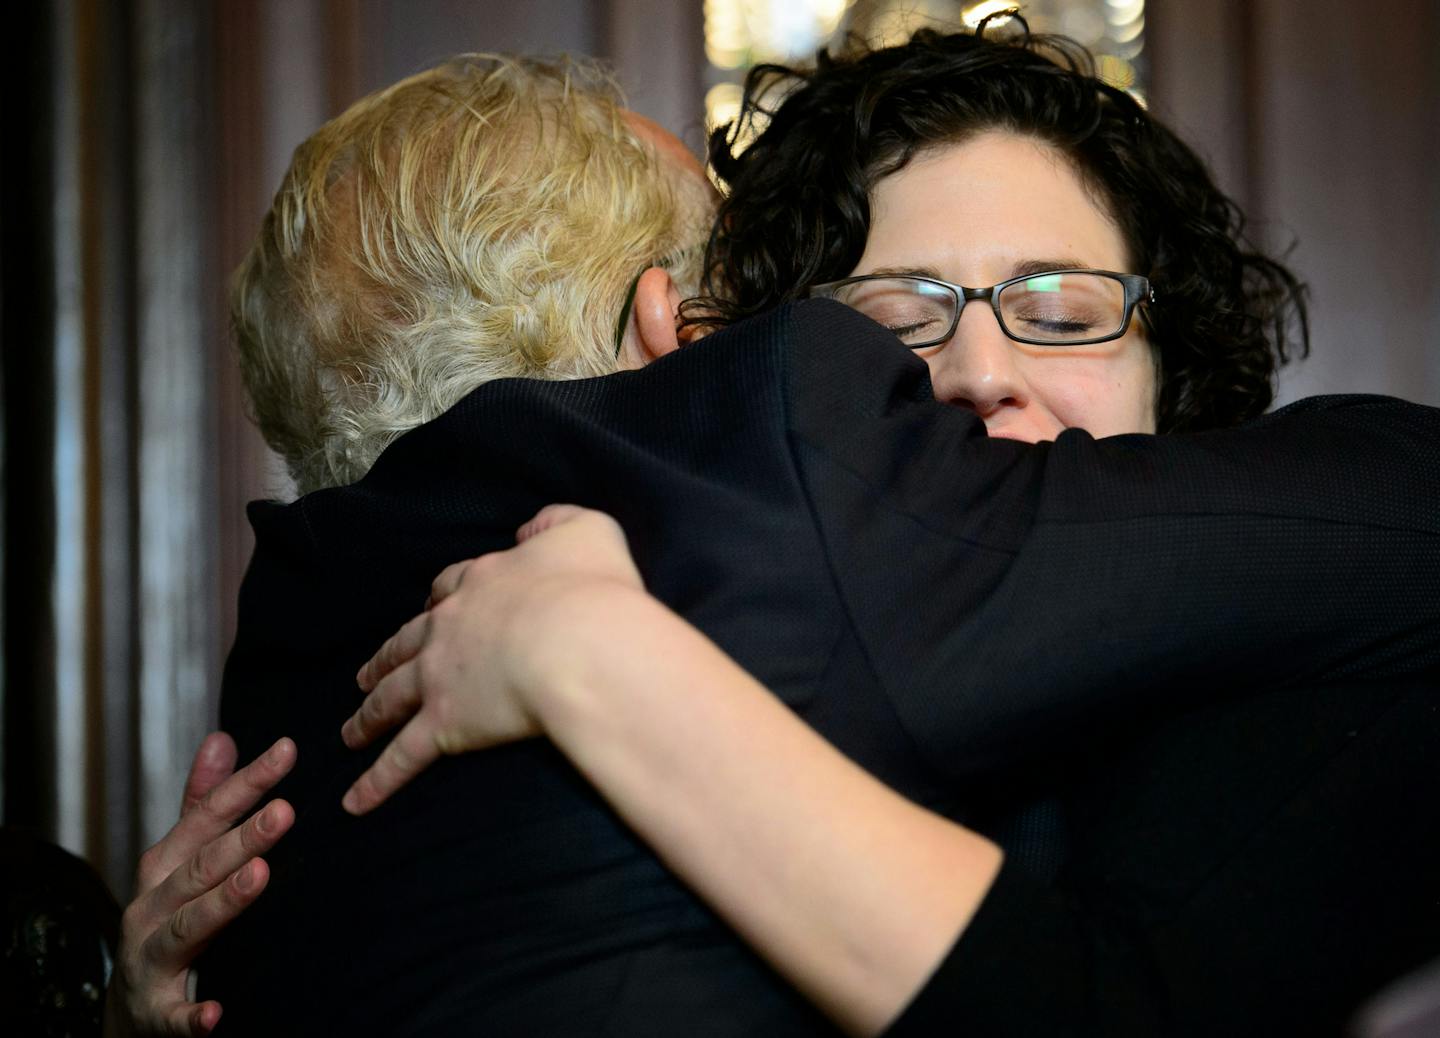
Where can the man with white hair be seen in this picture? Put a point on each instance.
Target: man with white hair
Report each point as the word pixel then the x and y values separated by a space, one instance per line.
pixel 488 218
pixel 483 219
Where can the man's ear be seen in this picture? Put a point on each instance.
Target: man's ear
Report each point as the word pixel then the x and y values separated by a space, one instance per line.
pixel 654 326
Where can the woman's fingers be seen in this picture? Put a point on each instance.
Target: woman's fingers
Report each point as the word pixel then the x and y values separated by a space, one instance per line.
pixel 547 518
pixel 208 868
pixel 398 648
pixel 447 583
pixel 454 676
pixel 180 1019
pixel 393 700
pixel 192 884
pixel 411 751
pixel 214 763
pixel 215 812
pixel 197 1021
pixel 179 940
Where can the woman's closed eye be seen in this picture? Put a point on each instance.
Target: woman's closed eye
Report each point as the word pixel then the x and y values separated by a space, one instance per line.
pixel 1058 318
pixel 914 329
pixel 1058 325
pixel 907 322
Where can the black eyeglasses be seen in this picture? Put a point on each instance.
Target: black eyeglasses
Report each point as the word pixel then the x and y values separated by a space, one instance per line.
pixel 625 313
pixel 1049 308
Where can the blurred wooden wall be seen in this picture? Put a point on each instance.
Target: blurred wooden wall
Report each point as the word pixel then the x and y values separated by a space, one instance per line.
pixel 111 344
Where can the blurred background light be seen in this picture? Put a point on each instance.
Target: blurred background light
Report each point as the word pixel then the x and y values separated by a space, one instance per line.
pixel 974 14
pixel 742 33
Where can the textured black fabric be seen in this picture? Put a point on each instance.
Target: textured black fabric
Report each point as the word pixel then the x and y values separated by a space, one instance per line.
pixel 955 613
pixel 507 899
pixel 1252 867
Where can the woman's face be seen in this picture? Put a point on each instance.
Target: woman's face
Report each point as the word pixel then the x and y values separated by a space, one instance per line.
pixel 982 212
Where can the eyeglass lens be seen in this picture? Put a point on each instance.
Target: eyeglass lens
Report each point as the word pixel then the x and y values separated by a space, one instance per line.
pixel 1052 308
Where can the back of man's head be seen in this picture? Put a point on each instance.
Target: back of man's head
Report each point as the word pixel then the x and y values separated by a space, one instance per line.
pixel 480 220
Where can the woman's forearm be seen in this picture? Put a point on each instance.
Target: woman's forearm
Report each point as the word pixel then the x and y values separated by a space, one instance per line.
pixel 849 890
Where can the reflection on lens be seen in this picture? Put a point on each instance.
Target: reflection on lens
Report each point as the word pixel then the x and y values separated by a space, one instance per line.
pixel 1044 283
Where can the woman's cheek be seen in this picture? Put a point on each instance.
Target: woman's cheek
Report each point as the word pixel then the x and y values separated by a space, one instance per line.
pixel 1102 398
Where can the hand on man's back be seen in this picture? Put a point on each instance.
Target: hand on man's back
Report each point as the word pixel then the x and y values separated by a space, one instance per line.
pixel 192 884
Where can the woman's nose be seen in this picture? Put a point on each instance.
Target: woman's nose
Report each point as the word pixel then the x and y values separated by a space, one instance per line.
pixel 978 367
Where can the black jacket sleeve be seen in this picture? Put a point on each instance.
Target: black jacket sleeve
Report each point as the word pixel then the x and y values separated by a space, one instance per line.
pixel 1011 595
pixel 1258 867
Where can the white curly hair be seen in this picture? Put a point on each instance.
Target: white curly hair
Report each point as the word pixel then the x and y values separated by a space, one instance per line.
pixel 480 220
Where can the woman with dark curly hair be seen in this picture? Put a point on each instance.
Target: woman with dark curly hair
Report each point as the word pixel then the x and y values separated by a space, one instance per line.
pixel 855 133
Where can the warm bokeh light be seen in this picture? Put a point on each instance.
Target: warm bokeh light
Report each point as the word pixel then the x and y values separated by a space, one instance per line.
pixel 1116 71
pixel 742 33
pixel 1123 12
pixel 974 14
pixel 722 104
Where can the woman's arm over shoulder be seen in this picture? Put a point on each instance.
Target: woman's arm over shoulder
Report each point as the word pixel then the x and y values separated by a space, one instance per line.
pixel 850 891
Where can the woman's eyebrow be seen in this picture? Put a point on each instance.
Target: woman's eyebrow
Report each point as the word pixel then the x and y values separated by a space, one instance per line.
pixel 1041 266
pixel 1020 269
pixel 912 272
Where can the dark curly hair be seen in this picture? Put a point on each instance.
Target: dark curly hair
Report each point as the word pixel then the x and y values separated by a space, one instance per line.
pixel 797 212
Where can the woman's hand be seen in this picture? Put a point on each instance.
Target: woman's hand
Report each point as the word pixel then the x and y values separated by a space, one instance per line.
pixel 852 892
pixel 458 677
pixel 191 885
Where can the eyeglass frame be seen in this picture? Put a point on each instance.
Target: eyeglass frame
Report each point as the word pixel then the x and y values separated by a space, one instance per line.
pixel 1138 290
pixel 625 312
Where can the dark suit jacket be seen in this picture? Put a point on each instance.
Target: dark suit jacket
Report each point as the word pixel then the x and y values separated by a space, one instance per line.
pixel 951 611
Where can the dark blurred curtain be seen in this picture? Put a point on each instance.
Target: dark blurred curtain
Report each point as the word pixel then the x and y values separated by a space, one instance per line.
pixel 1320 117
pixel 110 465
